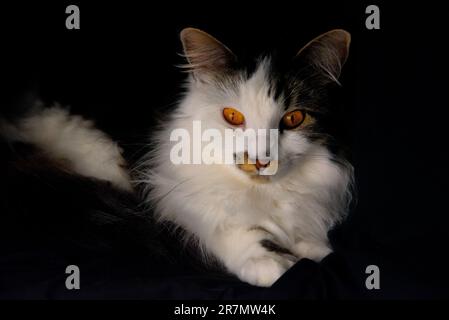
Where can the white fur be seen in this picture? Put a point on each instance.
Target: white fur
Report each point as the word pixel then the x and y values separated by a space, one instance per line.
pixel 74 140
pixel 228 211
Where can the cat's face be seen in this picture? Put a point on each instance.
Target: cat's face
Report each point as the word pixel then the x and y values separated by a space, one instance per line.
pixel 289 98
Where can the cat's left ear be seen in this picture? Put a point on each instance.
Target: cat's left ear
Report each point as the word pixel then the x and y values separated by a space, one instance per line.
pixel 204 53
pixel 327 53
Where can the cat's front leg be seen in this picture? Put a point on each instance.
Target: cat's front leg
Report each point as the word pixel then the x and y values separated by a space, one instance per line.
pixel 242 252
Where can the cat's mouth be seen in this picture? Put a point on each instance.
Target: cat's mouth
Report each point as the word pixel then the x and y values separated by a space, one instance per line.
pixel 257 168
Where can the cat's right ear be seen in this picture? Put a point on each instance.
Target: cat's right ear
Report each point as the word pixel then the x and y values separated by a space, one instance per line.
pixel 205 54
pixel 327 54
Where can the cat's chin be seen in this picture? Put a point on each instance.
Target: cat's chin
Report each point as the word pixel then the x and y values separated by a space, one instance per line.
pixel 259 179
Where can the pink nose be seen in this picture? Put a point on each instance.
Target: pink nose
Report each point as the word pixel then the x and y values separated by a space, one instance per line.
pixel 261 165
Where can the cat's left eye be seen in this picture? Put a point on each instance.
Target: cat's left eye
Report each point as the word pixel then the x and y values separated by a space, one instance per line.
pixel 293 119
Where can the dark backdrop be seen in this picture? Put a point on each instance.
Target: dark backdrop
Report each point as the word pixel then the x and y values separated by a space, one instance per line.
pixel 120 68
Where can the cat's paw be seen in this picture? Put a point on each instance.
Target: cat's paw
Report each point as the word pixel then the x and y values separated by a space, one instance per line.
pixel 311 250
pixel 263 271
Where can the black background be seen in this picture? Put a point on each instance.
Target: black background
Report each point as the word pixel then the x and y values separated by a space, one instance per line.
pixel 119 69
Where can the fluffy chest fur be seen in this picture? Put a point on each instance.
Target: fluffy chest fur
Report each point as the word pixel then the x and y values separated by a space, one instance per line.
pixel 204 199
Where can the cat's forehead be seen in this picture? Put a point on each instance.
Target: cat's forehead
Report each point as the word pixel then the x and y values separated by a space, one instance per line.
pixel 276 87
pixel 256 95
pixel 263 91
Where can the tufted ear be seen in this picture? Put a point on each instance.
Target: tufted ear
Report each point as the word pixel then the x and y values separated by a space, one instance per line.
pixel 327 53
pixel 204 53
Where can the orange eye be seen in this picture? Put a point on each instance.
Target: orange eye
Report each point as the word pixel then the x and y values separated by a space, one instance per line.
pixel 293 119
pixel 233 116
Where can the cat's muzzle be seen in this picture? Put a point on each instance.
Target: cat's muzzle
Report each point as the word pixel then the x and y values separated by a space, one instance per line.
pixel 248 165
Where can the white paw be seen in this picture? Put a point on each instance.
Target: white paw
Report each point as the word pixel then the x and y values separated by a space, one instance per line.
pixel 263 271
pixel 311 250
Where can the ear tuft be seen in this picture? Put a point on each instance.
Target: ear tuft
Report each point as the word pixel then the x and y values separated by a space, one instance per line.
pixel 204 53
pixel 328 52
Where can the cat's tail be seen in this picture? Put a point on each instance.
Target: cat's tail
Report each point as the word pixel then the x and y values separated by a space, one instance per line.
pixel 70 141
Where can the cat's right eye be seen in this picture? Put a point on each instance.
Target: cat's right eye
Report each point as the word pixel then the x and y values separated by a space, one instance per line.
pixel 233 116
pixel 293 119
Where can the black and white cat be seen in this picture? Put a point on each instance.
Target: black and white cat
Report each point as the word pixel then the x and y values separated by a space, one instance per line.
pixel 257 226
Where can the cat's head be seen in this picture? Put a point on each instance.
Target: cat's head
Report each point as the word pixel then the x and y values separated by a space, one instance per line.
pixel 289 97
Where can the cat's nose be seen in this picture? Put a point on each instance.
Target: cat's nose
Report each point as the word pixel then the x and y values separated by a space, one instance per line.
pixel 251 166
pixel 261 165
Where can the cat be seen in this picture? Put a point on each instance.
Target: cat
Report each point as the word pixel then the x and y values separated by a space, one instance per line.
pixel 256 225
